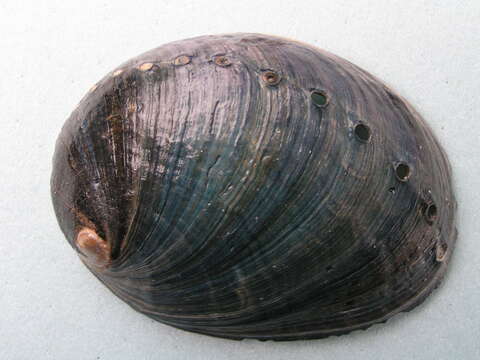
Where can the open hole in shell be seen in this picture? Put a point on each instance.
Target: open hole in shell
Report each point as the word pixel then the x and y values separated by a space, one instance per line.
pixel 430 212
pixel 402 171
pixel 319 98
pixel 362 132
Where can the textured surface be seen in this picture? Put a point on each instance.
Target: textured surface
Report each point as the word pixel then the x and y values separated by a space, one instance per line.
pixel 245 185
pixel 54 308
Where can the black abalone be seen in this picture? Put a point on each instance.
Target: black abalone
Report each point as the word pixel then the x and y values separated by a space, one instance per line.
pixel 250 186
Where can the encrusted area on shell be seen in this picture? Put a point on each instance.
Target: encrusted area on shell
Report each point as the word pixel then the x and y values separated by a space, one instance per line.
pixel 249 186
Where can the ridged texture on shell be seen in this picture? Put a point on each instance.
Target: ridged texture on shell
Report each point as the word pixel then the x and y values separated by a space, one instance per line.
pixel 205 186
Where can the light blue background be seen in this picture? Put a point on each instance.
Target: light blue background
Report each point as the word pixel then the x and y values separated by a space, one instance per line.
pixel 52 52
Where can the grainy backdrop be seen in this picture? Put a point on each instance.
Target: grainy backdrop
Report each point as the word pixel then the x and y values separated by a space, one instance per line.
pixel 54 51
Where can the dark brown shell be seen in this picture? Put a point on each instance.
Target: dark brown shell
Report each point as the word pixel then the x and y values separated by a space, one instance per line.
pixel 250 186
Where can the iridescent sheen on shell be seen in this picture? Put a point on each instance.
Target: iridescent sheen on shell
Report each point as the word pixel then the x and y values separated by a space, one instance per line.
pixel 250 186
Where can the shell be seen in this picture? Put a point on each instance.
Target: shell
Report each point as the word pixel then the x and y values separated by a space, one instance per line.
pixel 250 186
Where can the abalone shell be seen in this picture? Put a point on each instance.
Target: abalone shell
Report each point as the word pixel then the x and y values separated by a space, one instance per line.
pixel 250 186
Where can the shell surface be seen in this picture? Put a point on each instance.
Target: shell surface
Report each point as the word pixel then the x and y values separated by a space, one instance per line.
pixel 250 186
